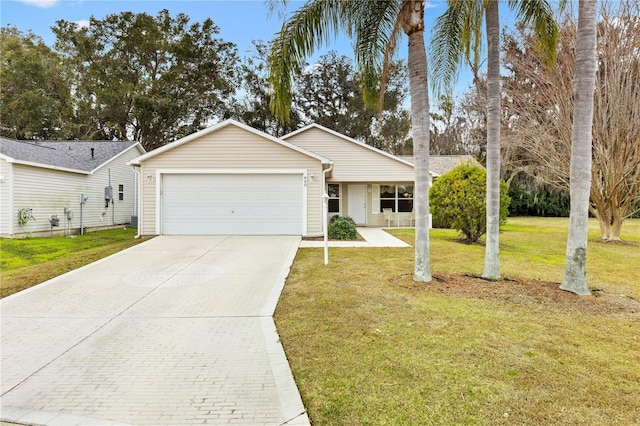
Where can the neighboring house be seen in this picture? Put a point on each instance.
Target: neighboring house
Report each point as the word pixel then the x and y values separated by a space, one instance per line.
pixel 39 179
pixel 233 179
pixel 441 164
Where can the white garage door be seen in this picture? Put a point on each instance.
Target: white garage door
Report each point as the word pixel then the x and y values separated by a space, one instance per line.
pixel 238 204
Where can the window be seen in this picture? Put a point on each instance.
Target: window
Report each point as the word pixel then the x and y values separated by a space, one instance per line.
pixel 398 198
pixel 121 192
pixel 333 190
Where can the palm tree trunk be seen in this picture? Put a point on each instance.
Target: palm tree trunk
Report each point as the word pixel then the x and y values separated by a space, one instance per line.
pixel 491 258
pixel 413 24
pixel 575 273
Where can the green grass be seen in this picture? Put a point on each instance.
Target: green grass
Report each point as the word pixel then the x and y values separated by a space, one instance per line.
pixel 30 261
pixel 534 248
pixel 367 346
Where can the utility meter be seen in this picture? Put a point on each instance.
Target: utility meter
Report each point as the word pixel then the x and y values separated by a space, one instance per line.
pixel 108 195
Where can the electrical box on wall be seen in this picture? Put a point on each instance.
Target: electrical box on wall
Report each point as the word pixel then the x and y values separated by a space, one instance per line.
pixel 108 195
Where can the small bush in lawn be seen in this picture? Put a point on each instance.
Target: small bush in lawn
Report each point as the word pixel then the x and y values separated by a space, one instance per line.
pixel 342 228
pixel 458 201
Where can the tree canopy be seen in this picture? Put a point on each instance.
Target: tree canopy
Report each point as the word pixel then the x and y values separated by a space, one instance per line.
pixel 539 113
pixel 36 92
pixel 145 78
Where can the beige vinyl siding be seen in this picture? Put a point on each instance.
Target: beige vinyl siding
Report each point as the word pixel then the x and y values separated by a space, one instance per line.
pixel 352 162
pixel 49 191
pixel 6 201
pixel 230 147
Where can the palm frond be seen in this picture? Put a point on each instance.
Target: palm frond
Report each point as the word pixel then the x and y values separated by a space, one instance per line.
pixel 279 6
pixel 310 27
pixel 376 33
pixel 386 63
pixel 539 14
pixel 456 36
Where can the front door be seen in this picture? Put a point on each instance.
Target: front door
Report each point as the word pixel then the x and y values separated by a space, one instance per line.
pixel 358 203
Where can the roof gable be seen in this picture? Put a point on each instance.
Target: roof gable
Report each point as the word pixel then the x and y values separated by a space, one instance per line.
pixel 74 156
pixel 353 160
pixel 212 129
pixel 346 139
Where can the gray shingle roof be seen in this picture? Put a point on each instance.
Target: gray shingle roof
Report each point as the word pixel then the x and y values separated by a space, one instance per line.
pixel 442 164
pixel 74 155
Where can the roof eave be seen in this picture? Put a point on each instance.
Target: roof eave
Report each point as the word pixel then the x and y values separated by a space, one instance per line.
pixel 49 166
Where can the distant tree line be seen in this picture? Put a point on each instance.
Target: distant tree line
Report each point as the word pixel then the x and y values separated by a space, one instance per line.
pixel 155 79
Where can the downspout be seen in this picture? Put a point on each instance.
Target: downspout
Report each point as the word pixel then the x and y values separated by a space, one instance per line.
pixel 324 190
pixel 325 202
pixel 138 182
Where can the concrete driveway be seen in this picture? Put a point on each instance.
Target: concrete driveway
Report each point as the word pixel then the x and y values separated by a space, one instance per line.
pixel 174 331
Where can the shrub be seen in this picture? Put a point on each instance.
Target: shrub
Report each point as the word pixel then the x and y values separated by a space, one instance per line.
pixel 342 228
pixel 458 201
pixel 537 202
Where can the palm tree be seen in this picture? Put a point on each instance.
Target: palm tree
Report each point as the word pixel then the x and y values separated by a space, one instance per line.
pixel 457 37
pixel 375 27
pixel 584 83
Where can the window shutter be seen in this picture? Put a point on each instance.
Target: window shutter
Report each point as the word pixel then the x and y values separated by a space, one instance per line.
pixel 375 199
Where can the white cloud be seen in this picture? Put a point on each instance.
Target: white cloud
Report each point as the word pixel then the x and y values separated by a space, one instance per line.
pixel 44 4
pixel 84 23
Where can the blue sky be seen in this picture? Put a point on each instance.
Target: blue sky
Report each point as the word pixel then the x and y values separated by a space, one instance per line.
pixel 240 21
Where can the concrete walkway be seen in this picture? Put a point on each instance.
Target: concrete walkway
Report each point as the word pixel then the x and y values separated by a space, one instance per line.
pixel 174 331
pixel 374 237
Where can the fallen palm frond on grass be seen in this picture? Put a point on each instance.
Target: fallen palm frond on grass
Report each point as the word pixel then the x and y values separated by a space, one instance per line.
pixel 367 345
pixel 30 261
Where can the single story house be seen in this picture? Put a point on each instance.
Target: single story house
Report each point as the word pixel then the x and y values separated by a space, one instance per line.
pixel 82 184
pixel 233 179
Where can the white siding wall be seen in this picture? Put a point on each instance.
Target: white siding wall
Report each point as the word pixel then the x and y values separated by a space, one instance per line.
pixel 230 148
pixel 352 162
pixel 6 209
pixel 48 192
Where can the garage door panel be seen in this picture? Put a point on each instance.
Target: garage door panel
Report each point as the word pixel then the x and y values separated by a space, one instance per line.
pixel 243 204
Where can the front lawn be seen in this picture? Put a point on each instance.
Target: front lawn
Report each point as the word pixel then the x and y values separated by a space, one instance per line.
pixel 367 345
pixel 29 261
